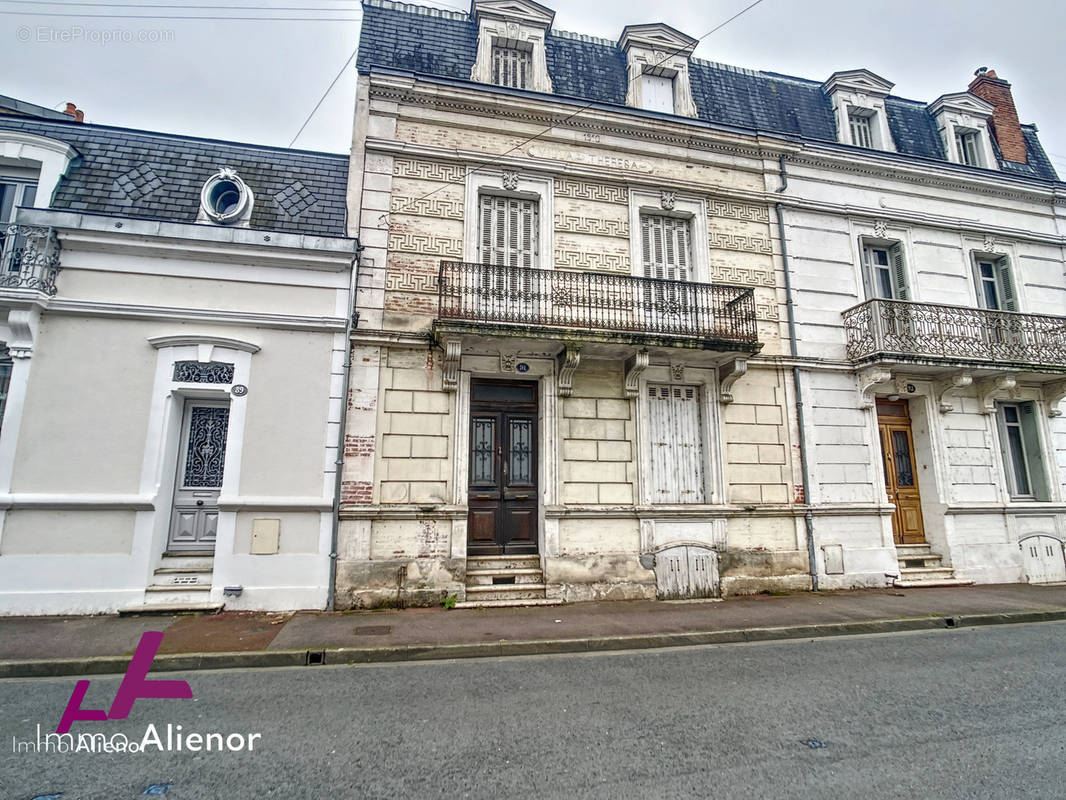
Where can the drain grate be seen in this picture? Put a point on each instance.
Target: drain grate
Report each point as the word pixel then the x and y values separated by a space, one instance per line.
pixel 374 630
pixel 914 563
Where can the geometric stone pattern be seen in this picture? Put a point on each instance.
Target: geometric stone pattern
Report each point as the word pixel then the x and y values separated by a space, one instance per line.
pixel 428 170
pixel 409 242
pixel 569 223
pixel 411 282
pixel 591 261
pixel 437 207
pixel 138 182
pixel 744 244
pixel 583 190
pixel 723 208
pixel 295 199
pixel 741 276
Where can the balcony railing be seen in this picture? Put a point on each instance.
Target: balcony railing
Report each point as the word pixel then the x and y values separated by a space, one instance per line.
pixel 591 301
pixel 922 330
pixel 29 258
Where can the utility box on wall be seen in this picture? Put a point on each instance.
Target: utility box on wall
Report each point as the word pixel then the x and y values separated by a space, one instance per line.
pixel 266 536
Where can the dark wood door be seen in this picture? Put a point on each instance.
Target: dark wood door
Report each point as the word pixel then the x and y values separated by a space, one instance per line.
pixel 503 468
pixel 901 478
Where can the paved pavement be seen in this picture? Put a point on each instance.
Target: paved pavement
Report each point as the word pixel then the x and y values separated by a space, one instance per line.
pixel 284 639
pixel 966 713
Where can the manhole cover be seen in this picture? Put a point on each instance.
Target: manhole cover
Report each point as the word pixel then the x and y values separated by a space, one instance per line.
pixel 374 630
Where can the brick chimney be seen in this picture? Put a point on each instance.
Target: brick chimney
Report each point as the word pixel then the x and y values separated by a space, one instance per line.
pixel 74 111
pixel 993 89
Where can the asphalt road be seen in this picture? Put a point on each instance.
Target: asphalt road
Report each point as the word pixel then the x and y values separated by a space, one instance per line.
pixel 970 713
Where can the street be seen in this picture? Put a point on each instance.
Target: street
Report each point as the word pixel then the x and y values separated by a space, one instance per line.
pixel 971 713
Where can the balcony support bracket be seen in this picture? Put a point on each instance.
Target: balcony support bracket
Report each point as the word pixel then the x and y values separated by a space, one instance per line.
pixel 453 351
pixel 947 390
pixel 869 380
pixel 1053 395
pixel 728 374
pixel 568 359
pixel 992 389
pixel 636 364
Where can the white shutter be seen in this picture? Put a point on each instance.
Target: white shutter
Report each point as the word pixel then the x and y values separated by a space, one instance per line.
pixel 509 231
pixel 675 441
pixel 657 93
pixel 666 249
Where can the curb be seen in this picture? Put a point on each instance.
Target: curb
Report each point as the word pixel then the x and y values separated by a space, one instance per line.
pixel 116 665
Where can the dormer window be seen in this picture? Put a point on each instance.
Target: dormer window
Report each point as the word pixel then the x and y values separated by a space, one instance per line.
pixel 968 145
pixel 512 65
pixel 510 44
pixel 225 199
pixel 861 129
pixel 657 93
pixel 858 98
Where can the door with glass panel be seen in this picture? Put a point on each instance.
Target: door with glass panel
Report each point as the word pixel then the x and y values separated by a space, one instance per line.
pixel 201 459
pixel 502 489
pixel 901 478
pixel 13 194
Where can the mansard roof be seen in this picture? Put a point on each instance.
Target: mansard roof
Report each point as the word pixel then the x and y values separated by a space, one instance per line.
pixel 145 175
pixel 437 43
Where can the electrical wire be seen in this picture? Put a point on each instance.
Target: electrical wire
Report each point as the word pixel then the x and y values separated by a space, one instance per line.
pixel 496 158
pixel 149 7
pixel 323 97
pixel 175 17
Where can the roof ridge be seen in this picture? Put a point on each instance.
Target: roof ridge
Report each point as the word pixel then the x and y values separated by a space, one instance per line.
pixel 426 11
pixel 581 37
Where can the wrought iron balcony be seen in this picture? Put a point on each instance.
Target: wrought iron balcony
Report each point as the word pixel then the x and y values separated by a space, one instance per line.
pixel 900 330
pixel 717 316
pixel 29 258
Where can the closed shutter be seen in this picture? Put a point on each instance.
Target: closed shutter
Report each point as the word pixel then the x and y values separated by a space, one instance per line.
pixel 1033 451
pixel 657 93
pixel 665 247
pixel 1006 285
pixel 675 440
pixel 509 228
pixel 899 272
pixel 511 67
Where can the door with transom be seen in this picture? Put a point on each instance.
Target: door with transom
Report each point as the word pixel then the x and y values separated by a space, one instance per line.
pixel 502 489
pixel 201 459
pixel 901 478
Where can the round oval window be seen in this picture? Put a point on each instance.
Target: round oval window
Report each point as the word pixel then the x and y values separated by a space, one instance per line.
pixel 225 198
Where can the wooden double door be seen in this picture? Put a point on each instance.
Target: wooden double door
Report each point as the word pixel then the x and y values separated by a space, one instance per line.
pixel 502 489
pixel 901 477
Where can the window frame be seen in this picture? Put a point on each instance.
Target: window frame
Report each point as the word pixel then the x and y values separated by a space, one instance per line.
pixel 898 273
pixel 869 122
pixel 670 80
pixel 644 202
pixel 969 136
pixel 1031 440
pixel 520 254
pixel 525 187
pixel 1003 279
pixel 523 63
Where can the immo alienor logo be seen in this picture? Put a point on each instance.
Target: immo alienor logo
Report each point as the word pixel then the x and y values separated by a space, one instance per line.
pixel 135 684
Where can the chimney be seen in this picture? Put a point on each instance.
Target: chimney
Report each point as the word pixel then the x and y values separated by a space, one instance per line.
pixel 993 89
pixel 74 111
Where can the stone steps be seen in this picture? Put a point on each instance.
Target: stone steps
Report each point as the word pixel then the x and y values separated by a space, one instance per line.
pixel 508 603
pixel 920 567
pixel 513 591
pixel 486 577
pixel 503 581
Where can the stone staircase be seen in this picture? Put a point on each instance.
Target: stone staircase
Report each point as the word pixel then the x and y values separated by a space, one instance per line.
pixel 181 583
pixel 501 581
pixel 920 567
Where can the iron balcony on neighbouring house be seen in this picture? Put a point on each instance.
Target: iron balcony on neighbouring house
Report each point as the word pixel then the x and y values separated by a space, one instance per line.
pixel 29 258
pixel 897 330
pixel 521 298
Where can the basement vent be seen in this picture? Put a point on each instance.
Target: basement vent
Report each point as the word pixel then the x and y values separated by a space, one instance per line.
pixel 186 580
pixel 503 581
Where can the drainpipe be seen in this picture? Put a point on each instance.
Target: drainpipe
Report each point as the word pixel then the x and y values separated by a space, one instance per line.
pixel 339 463
pixel 808 516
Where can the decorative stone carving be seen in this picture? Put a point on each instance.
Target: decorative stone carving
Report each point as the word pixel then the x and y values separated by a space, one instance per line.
pixel 869 380
pixel 992 389
pixel 636 364
pixel 1053 395
pixel 668 200
pixel 990 243
pixel 728 374
pixel 677 372
pixel 23 326
pixel 947 388
pixel 508 361
pixel 880 228
pixel 567 360
pixel 453 351
pixel 510 180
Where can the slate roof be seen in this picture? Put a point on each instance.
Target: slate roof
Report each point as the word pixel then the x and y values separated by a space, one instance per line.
pixel 443 44
pixel 131 173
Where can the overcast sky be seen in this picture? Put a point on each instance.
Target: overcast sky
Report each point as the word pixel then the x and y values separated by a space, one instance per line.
pixel 256 80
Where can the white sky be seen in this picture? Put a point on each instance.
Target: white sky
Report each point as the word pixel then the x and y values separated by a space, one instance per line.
pixel 256 81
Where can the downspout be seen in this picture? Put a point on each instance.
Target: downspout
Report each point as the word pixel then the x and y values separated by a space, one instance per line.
pixel 808 516
pixel 339 463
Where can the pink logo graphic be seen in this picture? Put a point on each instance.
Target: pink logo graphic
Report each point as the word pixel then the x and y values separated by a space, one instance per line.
pixel 135 684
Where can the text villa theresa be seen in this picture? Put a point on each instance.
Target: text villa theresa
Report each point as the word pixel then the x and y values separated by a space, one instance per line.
pixel 171 739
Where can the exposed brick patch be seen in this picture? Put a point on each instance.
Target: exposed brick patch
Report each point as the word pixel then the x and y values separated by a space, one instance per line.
pixel 358 446
pixel 356 493
pixel 993 89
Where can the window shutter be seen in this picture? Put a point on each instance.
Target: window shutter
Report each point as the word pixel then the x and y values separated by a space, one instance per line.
pixel 899 271
pixel 675 440
pixel 1033 453
pixel 487 229
pixel 867 270
pixel 666 247
pixel 660 444
pixel 509 231
pixel 1006 285
pixel 978 282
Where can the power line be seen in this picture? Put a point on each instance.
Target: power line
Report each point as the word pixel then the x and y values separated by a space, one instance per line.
pixel 323 97
pixel 176 17
pixel 566 119
pixel 148 7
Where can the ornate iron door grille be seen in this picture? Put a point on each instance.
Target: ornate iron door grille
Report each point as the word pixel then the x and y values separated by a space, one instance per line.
pixel 29 256
pixel 596 301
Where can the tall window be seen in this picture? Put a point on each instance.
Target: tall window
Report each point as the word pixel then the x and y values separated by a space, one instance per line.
pixel 657 93
pixel 968 145
pixel 995 287
pixel 12 195
pixel 666 247
pixel 860 121
pixel 886 273
pixel 509 231
pixel 1020 443
pixel 511 66
pixel 675 438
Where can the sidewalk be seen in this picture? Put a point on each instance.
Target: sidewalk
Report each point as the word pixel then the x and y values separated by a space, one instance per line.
pixel 98 645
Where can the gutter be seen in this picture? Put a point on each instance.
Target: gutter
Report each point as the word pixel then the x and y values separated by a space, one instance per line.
pixel 808 516
pixel 350 324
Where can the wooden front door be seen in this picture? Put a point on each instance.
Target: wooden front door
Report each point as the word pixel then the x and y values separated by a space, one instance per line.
pixel 502 514
pixel 901 478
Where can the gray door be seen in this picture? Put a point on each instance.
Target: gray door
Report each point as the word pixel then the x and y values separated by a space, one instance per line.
pixel 199 478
